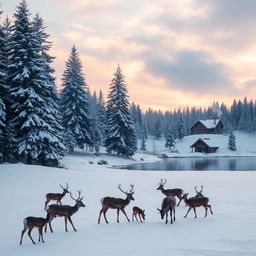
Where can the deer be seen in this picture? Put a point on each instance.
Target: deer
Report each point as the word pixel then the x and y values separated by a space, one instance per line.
pixel 168 204
pixel 116 203
pixel 56 196
pixel 35 222
pixel 197 201
pixel 65 211
pixel 137 211
pixel 170 192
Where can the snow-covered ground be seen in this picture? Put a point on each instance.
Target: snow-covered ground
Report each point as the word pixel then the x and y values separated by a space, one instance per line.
pixel 229 231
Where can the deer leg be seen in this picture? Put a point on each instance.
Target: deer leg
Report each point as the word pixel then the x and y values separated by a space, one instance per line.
pixel 174 211
pixel 39 236
pixel 125 214
pixel 210 208
pixel 188 212
pixel 118 214
pixel 45 228
pixel 100 216
pixel 133 217
pixel 41 232
pixel 65 218
pixel 29 234
pixel 104 214
pixel 22 234
pixel 50 225
pixel 69 218
pixel 140 218
pixel 171 216
pixel 194 211
pixel 206 209
pixel 166 220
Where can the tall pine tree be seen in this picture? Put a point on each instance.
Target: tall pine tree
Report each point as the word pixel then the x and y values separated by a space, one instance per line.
pixel 51 145
pixel 170 141
pixel 120 132
pixel 7 142
pixel 31 114
pixel 232 141
pixel 74 104
pixel 101 116
pixel 181 130
pixel 3 91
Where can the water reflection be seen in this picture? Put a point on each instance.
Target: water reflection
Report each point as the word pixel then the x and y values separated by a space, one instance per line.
pixel 198 164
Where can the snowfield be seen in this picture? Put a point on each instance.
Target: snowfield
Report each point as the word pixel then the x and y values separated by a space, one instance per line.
pixel 229 231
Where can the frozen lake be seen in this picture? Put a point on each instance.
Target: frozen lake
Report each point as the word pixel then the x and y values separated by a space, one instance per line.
pixel 198 164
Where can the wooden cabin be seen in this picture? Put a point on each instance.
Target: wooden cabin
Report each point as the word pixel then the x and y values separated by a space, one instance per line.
pixel 204 145
pixel 210 126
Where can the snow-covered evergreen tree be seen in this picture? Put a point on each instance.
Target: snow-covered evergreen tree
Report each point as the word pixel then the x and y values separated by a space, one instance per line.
pixel 101 116
pixel 74 103
pixel 181 130
pixel 32 117
pixel 170 140
pixel 157 133
pixel 3 90
pixel 7 141
pixel 95 130
pixel 232 142
pixel 51 146
pixel 143 143
pixel 243 124
pixel 120 132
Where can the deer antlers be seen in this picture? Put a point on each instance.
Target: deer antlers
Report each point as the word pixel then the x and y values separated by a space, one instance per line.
pixel 162 182
pixel 201 190
pixel 79 194
pixel 130 192
pixel 63 187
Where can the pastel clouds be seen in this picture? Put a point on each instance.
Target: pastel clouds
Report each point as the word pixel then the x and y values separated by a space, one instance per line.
pixel 173 53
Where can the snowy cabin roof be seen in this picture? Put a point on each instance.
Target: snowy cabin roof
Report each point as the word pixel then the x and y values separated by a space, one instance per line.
pixel 210 123
pixel 208 141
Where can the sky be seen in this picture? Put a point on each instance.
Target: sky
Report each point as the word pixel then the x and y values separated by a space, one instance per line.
pixel 173 53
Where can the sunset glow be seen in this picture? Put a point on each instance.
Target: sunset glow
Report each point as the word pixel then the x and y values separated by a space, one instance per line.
pixel 173 53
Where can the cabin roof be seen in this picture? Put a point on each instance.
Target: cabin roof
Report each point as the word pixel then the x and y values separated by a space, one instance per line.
pixel 208 123
pixel 208 141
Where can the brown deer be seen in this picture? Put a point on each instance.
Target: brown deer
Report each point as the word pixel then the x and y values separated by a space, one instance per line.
pixel 137 211
pixel 56 196
pixel 168 204
pixel 116 203
pixel 170 192
pixel 194 202
pixel 35 222
pixel 65 211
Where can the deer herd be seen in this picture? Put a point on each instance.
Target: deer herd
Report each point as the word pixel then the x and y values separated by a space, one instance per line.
pixel 59 210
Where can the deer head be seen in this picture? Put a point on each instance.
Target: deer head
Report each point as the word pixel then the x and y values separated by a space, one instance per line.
pixel 65 190
pixel 78 200
pixel 128 194
pixel 161 184
pixel 162 213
